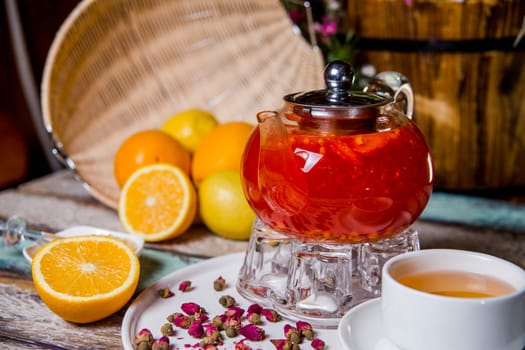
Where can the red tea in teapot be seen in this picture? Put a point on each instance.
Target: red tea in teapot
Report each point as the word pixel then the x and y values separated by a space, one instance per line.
pixel 340 187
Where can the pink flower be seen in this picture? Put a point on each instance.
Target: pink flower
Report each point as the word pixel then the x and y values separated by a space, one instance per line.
pixel 185 286
pixel 306 329
pixel 201 317
pixel 408 2
pixel 289 329
pixel 317 344
pixel 271 315
pixel 196 330
pixel 327 28
pixel 192 308
pixel 280 343
pixel 234 311
pixel 232 321
pixel 163 343
pixel 253 317
pixel 252 332
pixel 241 346
pixel 255 308
pixel 219 320
pixel 144 335
pixel 181 321
pixel 210 329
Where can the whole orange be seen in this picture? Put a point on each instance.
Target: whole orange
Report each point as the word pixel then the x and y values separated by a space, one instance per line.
pixel 148 147
pixel 220 149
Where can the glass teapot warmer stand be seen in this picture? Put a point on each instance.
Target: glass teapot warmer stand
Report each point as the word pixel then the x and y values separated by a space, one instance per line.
pixel 315 282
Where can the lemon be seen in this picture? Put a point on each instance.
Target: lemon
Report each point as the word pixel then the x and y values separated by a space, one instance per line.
pixel 223 207
pixel 189 127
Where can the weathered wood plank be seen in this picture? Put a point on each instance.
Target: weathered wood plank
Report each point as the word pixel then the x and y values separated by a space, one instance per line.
pixel 27 323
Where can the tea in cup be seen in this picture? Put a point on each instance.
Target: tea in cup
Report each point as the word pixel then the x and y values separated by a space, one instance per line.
pixel 453 299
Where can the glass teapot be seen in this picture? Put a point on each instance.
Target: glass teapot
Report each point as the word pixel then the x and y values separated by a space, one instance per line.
pixel 339 165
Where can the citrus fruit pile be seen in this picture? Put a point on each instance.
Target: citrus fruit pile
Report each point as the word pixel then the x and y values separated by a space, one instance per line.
pixel 187 170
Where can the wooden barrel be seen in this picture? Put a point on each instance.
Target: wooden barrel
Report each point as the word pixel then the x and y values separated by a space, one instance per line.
pixel 468 78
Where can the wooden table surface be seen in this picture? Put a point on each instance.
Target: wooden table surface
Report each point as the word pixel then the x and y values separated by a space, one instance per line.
pixel 59 201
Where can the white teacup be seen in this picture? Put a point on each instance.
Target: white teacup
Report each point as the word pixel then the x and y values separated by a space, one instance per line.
pixel 419 320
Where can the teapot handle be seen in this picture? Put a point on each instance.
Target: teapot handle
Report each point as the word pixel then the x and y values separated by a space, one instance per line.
pixel 395 85
pixel 408 94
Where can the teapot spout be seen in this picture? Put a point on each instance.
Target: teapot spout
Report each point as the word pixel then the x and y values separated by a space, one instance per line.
pixel 281 183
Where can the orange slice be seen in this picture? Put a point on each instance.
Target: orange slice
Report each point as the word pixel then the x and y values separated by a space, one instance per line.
pixel 85 278
pixel 158 202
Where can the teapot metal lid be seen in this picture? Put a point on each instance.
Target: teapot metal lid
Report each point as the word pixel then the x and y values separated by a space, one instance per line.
pixel 339 78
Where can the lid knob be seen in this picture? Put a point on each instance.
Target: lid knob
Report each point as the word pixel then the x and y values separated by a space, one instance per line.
pixel 339 76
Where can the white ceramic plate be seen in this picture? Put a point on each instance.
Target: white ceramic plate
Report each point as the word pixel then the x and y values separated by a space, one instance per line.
pixel 362 328
pixel 136 242
pixel 150 311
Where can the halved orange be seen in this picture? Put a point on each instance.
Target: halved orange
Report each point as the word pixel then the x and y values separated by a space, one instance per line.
pixel 85 278
pixel 158 202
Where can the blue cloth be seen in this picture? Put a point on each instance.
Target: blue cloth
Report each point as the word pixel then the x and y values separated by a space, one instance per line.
pixel 153 264
pixel 442 207
pixel 475 211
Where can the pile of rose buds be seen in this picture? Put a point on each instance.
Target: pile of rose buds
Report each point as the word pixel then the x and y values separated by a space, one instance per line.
pixel 234 321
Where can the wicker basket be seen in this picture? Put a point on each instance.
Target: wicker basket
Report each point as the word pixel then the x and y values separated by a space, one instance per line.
pixel 120 66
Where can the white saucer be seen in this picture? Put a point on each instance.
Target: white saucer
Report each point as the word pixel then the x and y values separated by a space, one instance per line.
pixel 135 242
pixel 362 328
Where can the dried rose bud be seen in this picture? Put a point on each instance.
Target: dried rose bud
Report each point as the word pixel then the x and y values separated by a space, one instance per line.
pixel 185 286
pixel 218 321
pixel 255 308
pixel 280 343
pixel 271 315
pixel 293 334
pixel 302 325
pixel 241 346
pixel 219 284
pixel 199 316
pixel 227 301
pixel 165 293
pixel 144 346
pixel 285 344
pixel 167 329
pixel 171 317
pixel 254 318
pixel 231 332
pixel 144 336
pixel 196 330
pixel 192 308
pixel 234 311
pixel 181 321
pixel 163 343
pixel 306 329
pixel 212 335
pixel 208 347
pixel 317 344
pixel 252 332
pixel 210 329
pixel 232 321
